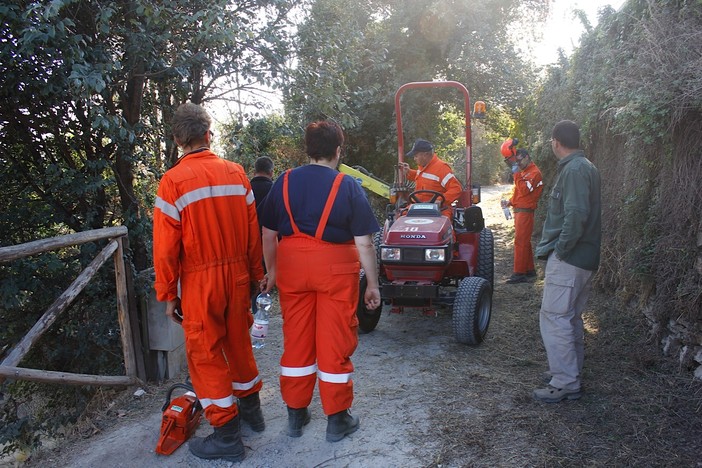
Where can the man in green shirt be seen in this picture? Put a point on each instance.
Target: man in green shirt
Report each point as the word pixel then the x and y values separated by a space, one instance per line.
pixel 570 242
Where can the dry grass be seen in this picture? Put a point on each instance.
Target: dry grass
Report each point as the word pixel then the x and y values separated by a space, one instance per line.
pixel 637 409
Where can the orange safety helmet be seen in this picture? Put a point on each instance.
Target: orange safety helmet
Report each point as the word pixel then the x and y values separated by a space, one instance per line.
pixel 509 147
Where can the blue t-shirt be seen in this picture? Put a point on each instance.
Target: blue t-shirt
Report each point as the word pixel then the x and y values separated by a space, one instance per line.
pixel 308 190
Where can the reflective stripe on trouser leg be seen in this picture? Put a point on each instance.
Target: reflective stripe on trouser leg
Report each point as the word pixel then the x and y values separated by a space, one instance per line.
pixel 523 254
pixel 319 321
pixel 566 290
pixel 208 320
pixel 297 384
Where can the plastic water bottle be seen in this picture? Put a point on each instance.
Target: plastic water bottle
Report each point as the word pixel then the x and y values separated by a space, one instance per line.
pixel 259 329
pixel 505 209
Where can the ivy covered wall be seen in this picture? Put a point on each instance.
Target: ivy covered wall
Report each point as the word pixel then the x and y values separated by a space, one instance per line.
pixel 635 88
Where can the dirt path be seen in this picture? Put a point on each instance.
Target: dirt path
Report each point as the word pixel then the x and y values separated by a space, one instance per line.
pixel 425 400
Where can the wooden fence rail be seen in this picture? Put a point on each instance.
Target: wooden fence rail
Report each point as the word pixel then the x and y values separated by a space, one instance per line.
pixel 114 249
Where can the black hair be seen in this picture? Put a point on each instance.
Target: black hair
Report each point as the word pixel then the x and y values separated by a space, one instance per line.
pixel 264 165
pixel 567 133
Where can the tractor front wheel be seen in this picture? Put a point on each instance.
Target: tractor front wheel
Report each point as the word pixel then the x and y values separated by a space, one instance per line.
pixel 472 310
pixel 486 257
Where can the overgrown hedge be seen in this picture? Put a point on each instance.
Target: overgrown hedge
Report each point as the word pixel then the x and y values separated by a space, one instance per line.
pixel 635 88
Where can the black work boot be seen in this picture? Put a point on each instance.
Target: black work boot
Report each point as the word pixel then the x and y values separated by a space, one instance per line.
pixel 517 278
pixel 297 417
pixel 250 410
pixel 340 425
pixel 225 443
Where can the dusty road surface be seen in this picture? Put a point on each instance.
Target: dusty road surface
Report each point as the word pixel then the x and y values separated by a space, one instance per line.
pixel 425 400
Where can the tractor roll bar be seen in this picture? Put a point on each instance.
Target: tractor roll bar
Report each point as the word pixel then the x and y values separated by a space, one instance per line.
pixel 435 84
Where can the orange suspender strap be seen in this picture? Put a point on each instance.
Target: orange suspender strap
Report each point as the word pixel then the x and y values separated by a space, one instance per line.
pixel 327 208
pixel 286 200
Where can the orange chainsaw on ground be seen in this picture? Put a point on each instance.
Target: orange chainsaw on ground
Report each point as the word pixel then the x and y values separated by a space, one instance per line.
pixel 181 417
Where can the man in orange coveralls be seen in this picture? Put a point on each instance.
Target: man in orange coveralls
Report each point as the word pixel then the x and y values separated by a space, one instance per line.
pixel 525 197
pixel 432 174
pixel 206 238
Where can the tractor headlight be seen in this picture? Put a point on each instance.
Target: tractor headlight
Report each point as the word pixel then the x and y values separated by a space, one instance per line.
pixel 435 255
pixel 390 254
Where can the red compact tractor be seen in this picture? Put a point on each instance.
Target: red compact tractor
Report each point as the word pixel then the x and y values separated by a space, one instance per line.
pixel 426 259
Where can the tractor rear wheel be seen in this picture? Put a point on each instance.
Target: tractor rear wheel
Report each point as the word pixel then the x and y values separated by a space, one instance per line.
pixel 472 310
pixel 486 257
pixel 367 318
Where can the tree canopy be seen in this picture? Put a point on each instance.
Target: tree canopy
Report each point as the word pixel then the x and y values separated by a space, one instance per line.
pixel 352 56
pixel 88 88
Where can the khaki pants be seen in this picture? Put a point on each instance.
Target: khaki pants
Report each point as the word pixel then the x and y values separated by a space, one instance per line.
pixel 566 291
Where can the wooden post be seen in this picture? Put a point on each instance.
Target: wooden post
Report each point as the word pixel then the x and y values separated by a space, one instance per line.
pixel 132 299
pixel 123 311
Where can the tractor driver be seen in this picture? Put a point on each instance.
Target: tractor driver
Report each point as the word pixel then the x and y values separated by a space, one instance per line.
pixel 432 174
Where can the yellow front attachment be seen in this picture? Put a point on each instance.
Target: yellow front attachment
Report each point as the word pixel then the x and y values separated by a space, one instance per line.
pixel 367 181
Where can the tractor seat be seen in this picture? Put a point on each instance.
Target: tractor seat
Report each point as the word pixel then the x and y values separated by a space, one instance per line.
pixel 424 210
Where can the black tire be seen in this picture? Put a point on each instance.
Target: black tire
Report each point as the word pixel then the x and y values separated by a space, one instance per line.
pixel 367 319
pixel 377 241
pixel 486 257
pixel 472 310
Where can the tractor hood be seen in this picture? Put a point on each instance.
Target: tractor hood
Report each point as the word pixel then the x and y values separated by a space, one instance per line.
pixel 420 231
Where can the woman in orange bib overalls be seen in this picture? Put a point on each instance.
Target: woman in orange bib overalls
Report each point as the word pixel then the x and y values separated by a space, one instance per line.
pixel 325 225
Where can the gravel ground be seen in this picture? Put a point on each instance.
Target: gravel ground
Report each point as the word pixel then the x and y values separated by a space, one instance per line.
pixel 425 400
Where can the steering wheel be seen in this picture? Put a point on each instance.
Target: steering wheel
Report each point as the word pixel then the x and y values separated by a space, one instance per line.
pixel 434 196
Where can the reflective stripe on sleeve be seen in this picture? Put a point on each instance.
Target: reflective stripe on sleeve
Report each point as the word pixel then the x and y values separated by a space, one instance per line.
pixel 250 197
pixel 298 371
pixel 334 378
pixel 445 180
pixel 167 209
pixel 246 385
pixel 225 402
